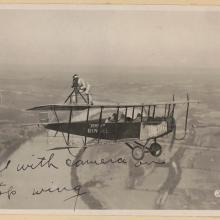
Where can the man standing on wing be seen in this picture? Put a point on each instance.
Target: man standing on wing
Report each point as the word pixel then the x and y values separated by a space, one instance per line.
pixel 83 87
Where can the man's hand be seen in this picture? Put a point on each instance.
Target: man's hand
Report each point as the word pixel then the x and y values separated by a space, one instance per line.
pixel 82 89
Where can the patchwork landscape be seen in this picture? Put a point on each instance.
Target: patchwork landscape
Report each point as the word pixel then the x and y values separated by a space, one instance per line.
pixel 188 179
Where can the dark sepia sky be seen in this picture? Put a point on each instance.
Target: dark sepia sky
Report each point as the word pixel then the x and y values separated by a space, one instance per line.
pixel 113 37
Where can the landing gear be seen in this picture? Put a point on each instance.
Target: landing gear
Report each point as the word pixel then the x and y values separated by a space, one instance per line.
pixel 139 150
pixel 138 153
pixel 155 149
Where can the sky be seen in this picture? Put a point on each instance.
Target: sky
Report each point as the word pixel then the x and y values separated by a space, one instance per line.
pixel 131 38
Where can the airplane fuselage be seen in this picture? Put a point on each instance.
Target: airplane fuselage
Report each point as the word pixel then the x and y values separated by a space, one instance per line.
pixel 145 129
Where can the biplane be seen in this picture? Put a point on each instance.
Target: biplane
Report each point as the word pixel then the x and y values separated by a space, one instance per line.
pixel 139 132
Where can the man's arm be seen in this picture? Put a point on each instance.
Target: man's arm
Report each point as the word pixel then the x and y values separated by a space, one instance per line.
pixel 82 84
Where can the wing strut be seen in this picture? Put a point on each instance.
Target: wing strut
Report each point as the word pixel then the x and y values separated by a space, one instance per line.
pixel 61 129
pixel 87 122
pixel 174 105
pixel 70 119
pixel 168 112
pixel 186 119
pixel 116 124
pixel 126 112
pixel 148 113
pixel 154 110
pixel 100 121
pixel 133 112
pixel 142 110
pixel 165 111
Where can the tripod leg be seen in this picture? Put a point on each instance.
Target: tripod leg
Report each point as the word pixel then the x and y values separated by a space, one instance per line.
pixel 89 99
pixel 71 99
pixel 87 95
pixel 76 95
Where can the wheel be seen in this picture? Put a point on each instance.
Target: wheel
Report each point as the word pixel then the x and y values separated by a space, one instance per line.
pixel 155 149
pixel 138 153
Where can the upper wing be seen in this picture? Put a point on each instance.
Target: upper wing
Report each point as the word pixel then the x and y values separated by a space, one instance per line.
pixel 58 107
pixel 64 107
